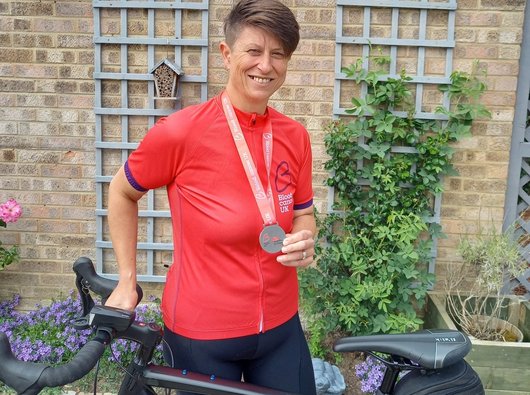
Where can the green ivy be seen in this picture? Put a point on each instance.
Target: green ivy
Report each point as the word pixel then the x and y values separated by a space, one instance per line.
pixel 371 273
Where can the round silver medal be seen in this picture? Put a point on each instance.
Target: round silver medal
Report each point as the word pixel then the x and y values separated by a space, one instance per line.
pixel 271 238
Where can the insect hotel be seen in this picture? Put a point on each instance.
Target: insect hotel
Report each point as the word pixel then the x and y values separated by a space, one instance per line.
pixel 166 74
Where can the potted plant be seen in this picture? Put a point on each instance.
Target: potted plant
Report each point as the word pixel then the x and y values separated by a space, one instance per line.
pixel 477 296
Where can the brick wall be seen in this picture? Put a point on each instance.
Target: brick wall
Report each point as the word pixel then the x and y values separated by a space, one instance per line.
pixel 490 31
pixel 47 141
pixel 47 124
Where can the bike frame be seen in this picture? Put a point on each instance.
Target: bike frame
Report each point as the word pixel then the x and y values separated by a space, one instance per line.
pixel 140 375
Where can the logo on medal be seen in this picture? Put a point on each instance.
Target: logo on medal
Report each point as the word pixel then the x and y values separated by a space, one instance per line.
pixel 271 238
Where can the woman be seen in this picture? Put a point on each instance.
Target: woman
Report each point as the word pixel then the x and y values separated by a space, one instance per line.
pixel 238 176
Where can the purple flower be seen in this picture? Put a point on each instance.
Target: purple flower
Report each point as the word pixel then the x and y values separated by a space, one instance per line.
pixel 370 373
pixel 47 335
pixel 39 335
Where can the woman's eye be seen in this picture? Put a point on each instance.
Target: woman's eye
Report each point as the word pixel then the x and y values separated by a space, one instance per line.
pixel 254 52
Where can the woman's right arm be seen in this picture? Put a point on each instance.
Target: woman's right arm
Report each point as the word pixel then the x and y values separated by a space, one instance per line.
pixel 123 226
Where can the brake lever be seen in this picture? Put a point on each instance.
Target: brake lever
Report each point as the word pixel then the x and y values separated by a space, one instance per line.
pixel 86 301
pixel 87 281
pixel 92 281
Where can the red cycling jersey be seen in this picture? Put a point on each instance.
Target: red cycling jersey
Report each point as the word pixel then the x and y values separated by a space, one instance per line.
pixel 221 283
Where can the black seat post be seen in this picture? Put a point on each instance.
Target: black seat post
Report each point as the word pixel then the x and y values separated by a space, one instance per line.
pixel 389 379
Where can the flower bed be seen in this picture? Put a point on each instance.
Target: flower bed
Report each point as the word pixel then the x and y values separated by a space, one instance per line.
pixel 47 335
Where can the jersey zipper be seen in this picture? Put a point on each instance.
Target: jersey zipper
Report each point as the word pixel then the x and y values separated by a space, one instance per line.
pixel 261 318
pixel 261 292
pixel 261 315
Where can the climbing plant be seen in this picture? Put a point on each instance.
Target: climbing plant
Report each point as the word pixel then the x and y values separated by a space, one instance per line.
pixel 373 250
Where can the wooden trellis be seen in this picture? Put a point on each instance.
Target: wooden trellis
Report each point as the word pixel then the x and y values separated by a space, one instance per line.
pixel 517 205
pixel 416 35
pixel 130 38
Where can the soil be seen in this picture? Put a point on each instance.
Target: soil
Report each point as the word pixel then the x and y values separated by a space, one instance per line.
pixel 346 365
pixel 347 368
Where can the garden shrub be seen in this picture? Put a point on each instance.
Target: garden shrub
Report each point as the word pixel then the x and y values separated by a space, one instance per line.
pixel 373 251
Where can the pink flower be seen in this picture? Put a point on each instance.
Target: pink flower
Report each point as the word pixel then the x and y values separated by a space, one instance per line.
pixel 10 211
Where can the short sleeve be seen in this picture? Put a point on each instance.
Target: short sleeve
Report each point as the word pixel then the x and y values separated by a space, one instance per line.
pixel 155 162
pixel 303 197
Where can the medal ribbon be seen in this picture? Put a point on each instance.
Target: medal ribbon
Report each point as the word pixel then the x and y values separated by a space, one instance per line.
pixel 264 199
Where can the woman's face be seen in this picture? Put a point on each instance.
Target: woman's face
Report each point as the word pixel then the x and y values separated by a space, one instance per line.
pixel 257 66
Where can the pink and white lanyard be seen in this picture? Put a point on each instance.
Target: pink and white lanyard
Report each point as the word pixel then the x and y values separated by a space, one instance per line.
pixel 264 199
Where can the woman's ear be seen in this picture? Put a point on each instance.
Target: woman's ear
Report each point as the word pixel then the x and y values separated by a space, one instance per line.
pixel 225 53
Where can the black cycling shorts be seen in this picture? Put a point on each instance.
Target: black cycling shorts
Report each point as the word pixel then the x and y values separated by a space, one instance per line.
pixel 278 358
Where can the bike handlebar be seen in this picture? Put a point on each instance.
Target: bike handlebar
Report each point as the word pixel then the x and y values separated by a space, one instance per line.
pixel 30 378
pixel 102 286
pixel 88 280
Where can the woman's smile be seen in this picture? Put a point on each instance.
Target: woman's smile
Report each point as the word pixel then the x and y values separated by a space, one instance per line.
pixel 261 80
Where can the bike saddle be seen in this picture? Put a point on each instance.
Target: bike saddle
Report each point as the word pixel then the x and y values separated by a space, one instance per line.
pixel 431 349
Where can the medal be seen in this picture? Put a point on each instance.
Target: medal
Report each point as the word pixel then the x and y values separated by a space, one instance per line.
pixel 271 238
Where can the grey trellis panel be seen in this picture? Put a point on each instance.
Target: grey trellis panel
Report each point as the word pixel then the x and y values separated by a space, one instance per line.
pixel 128 44
pixel 394 43
pixel 517 205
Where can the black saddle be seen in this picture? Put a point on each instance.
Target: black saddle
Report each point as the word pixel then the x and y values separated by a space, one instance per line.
pixel 431 349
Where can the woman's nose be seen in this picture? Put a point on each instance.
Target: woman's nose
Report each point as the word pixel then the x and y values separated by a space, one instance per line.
pixel 265 63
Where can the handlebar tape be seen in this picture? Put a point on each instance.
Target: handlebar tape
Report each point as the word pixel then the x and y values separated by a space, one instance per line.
pixel 78 367
pixel 29 378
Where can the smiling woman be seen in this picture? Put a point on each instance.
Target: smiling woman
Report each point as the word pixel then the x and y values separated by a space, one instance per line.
pixel 239 180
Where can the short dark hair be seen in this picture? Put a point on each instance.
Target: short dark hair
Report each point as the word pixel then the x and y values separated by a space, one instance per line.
pixel 269 15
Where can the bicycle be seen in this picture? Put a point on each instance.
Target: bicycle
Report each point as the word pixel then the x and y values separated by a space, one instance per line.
pixel 434 358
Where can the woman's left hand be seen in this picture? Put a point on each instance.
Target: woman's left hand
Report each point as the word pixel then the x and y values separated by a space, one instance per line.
pixel 298 249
